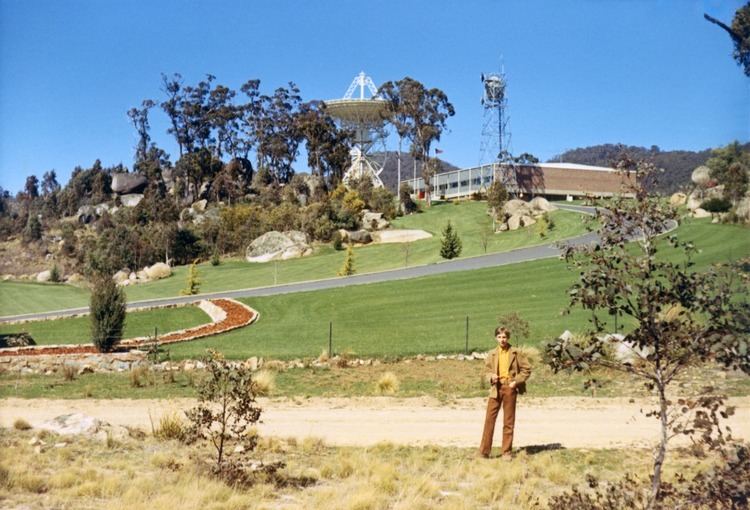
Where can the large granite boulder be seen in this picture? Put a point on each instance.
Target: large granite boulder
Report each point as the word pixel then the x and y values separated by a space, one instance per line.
pixel 694 201
pixel 278 246
pixel 124 183
pixel 516 206
pixel 373 220
pixel 359 236
pixel 73 423
pixel 514 222
pixel 44 276
pixel 541 204
pixel 701 175
pixel 131 200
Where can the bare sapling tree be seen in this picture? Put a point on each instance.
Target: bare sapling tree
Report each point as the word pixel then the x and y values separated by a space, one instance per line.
pixel 681 317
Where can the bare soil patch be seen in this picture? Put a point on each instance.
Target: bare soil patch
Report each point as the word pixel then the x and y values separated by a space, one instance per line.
pixel 571 422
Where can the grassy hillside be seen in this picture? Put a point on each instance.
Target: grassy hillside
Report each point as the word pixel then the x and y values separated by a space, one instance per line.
pixel 428 315
pixel 468 217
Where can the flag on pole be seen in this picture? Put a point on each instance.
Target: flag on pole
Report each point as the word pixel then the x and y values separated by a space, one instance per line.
pixel 438 151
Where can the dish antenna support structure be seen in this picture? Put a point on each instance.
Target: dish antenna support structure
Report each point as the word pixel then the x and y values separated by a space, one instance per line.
pixel 365 116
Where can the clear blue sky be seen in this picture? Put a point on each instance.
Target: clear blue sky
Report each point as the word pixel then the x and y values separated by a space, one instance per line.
pixel 580 73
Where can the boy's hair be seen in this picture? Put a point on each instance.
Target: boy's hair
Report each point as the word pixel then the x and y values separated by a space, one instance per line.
pixel 502 329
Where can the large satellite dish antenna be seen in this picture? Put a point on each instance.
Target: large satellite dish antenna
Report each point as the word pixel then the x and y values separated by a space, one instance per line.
pixel 365 116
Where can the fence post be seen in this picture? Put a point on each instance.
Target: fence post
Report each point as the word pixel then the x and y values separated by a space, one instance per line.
pixel 467 335
pixel 330 339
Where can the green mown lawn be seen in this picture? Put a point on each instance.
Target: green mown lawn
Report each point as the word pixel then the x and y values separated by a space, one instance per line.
pixel 428 315
pixel 468 217
pixel 77 330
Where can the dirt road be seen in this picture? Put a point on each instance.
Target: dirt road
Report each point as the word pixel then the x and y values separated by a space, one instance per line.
pixel 573 422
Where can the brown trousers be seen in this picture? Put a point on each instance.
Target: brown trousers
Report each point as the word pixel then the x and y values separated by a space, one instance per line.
pixel 508 402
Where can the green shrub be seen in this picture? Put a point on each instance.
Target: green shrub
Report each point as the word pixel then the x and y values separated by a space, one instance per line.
pixel 107 313
pixel 716 205
pixel 54 274
pixel 450 246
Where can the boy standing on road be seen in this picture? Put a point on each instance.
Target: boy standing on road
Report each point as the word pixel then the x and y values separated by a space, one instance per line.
pixel 506 369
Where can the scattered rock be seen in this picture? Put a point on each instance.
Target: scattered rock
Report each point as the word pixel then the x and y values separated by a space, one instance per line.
pixel 74 278
pixel 701 213
pixel 86 215
pixel 541 204
pixel 566 336
pixel 101 208
pixel 73 423
pixel 44 276
pixel 199 206
pixel 124 183
pixel 121 276
pixel 359 236
pixel 131 200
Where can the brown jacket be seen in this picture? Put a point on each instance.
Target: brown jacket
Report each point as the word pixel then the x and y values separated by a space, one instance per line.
pixel 519 370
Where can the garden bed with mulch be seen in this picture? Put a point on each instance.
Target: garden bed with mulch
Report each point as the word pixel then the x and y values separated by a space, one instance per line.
pixel 237 316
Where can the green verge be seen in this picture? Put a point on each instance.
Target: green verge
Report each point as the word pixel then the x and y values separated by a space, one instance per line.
pixel 77 330
pixel 444 380
pixel 469 218
pixel 428 315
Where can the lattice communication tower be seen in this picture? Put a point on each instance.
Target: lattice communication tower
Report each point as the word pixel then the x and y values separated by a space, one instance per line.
pixel 365 117
pixel 494 147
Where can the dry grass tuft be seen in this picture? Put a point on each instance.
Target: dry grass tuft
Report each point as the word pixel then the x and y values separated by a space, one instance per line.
pixel 140 377
pixel 69 372
pixel 170 426
pixel 387 384
pixel 21 424
pixel 265 382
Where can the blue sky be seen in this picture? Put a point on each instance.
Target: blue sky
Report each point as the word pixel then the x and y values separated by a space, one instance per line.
pixel 640 72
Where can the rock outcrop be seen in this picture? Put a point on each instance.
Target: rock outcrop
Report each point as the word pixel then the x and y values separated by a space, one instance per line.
pixel 124 183
pixel 278 246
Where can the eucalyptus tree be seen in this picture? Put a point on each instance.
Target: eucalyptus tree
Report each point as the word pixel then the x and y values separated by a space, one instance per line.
pixel 422 116
pixel 327 145
pixel 391 92
pixel 739 32
pixel 278 134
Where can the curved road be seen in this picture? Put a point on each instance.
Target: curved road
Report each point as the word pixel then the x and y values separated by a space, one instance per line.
pixel 492 260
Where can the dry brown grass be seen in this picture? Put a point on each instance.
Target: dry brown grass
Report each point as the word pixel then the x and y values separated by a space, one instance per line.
pixel 21 424
pixel 387 384
pixel 152 474
pixel 170 426
pixel 265 382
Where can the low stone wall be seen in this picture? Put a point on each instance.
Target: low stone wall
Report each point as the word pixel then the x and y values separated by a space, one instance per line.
pixel 49 364
pixel 125 361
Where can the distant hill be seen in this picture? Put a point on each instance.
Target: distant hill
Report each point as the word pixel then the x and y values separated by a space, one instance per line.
pixel 677 165
pixel 389 175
